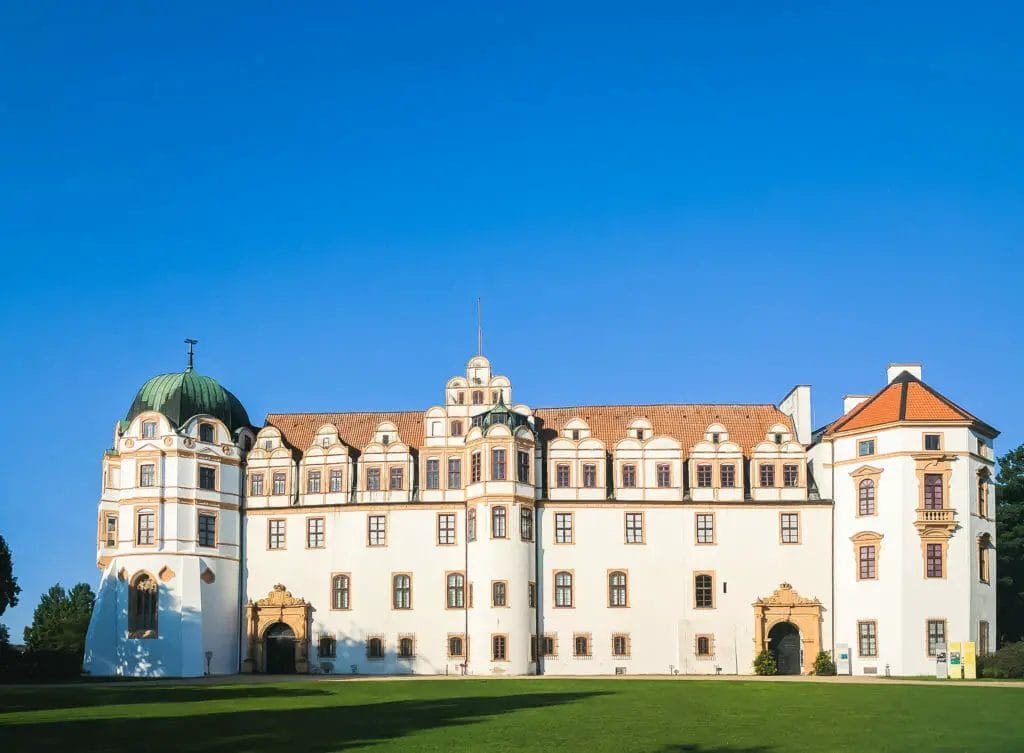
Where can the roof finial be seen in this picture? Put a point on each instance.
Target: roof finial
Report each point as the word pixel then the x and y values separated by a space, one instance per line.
pixel 479 328
pixel 191 356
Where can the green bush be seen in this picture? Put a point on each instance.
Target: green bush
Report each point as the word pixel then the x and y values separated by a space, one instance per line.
pixel 764 663
pixel 1007 662
pixel 823 664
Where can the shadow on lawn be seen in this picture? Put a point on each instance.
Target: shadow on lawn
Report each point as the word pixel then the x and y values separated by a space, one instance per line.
pixel 310 730
pixel 693 748
pixel 32 698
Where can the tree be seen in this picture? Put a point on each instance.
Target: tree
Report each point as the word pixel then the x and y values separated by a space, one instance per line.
pixel 1010 546
pixel 61 620
pixel 9 588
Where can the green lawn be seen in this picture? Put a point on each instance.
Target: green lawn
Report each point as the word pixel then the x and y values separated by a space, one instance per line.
pixel 594 716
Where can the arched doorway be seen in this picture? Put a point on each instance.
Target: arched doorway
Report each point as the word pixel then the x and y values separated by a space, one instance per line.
pixel 279 648
pixel 784 643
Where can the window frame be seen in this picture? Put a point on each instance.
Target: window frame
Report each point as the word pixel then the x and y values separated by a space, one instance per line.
pixel 631 528
pixel 277 540
pixel 446 534
pixel 206 472
pixel 455 586
pixel 698 600
pixel 928 634
pixel 209 515
pixel 870 635
pixel 562 589
pixel 785 531
pixel 322 533
pixel 341 586
pixel 565 525
pixel 499 521
pixel 401 591
pixel 617 591
pixel 380 534
pixel 697 530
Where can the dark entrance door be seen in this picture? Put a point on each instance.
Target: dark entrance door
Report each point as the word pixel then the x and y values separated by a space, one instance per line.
pixel 279 645
pixel 784 643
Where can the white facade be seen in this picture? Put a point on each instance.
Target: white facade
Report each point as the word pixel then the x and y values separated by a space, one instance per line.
pixel 484 537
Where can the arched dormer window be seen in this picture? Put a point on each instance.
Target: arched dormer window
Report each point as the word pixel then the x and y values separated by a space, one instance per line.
pixel 143 606
pixel 206 433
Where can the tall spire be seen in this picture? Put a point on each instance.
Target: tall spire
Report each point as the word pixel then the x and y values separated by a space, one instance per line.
pixel 191 355
pixel 479 328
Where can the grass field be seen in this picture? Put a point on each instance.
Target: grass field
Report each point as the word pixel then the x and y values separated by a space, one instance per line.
pixel 593 716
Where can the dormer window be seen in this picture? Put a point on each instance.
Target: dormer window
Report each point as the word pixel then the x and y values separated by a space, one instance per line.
pixel 478 397
pixel 639 433
pixel 268 444
pixel 778 439
pixel 576 434
pixel 148 429
pixel 206 432
pixel 716 437
pixel 325 442
pixel 385 439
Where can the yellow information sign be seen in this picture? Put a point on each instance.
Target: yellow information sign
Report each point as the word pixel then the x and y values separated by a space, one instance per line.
pixel 970 660
pixel 955 663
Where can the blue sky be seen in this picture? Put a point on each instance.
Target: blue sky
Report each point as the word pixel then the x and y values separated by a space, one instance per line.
pixel 670 202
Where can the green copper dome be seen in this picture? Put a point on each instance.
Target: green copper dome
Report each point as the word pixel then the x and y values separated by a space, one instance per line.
pixel 186 394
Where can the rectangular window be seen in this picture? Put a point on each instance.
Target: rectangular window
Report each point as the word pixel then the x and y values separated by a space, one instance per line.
pixel 373 479
pixel 497 464
pixel 868 567
pixel 562 475
pixel 767 475
pixel 499 593
pixel 531 595
pixel 526 523
pixel 789 523
pixel 548 645
pixel 326 647
pixel 703 591
pixel 401 591
pixel 703 646
pixel 397 477
pixel 499 648
pixel 110 530
pixel 279 483
pixel 983 638
pixel 790 475
pixel 705 528
pixel 563 590
pixel 933 441
pixel 634 528
pixel 589 476
pixel 275 534
pixel 581 646
pixel 376 530
pixel 315 533
pixel 936 636
pixel 471 525
pixel 207 478
pixel 313 482
pixel 207 530
pixel 148 429
pixel 146 528
pixel 147 474
pixel 728 474
pixel 475 468
pixel 866 447
pixel 933 564
pixel 933 491
pixel 335 479
pixel 433 473
pixel 499 516
pixel 867 639
pixel 446 528
pixel 454 473
pixel 456 590
pixel 620 645
pixel 256 484
pixel 664 475
pixel 523 467
pixel 628 476
pixel 341 591
pixel 704 475
pixel 563 527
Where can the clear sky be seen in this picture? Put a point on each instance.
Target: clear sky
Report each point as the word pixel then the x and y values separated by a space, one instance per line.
pixel 703 202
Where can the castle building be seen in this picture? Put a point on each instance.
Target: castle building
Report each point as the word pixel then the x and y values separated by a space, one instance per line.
pixel 485 537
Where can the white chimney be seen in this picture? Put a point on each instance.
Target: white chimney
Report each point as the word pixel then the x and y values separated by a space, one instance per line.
pixel 797 405
pixel 852 401
pixel 895 369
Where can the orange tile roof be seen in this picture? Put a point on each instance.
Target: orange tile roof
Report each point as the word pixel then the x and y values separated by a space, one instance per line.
pixel 355 429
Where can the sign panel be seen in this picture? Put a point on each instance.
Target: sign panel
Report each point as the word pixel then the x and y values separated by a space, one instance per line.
pixel 954 667
pixel 940 661
pixel 843 659
pixel 970 658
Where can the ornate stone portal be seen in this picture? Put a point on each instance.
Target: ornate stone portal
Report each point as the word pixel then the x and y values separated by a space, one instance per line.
pixel 278 606
pixel 786 605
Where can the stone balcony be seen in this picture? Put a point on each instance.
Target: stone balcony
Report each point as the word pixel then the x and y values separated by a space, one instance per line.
pixel 931 522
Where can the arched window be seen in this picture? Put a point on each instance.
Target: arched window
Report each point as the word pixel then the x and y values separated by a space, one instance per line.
pixel 933 491
pixel 340 592
pixel 402 596
pixel 455 646
pixel 866 497
pixel 375 648
pixel 206 433
pixel 563 589
pixel 456 590
pixel 983 494
pixel 143 606
pixel 617 588
pixel 984 552
pixel 406 648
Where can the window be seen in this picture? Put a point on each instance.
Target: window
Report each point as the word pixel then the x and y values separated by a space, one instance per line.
pixel 703 591
pixel 728 474
pixel 983 638
pixel 256 484
pixel 497 464
pixel 767 474
pixel 563 589
pixel 499 594
pixel 207 529
pixel 499 648
pixel 704 475
pixel 617 595
pixel 327 646
pixel 206 433
pixel 147 474
pixel 983 495
pixel 401 591
pixel 276 534
pixel 471 525
pixel 340 592
pixel 531 595
pixel 335 479
pixel 526 523
pixel 589 476
pixel 867 639
pixel 143 606
pixel 145 528
pixel 499 516
pixel 933 441
pixel 315 533
pixel 279 483
pixel 576 435
pixel 148 429
pixel 456 584
pixel 778 439
pixel 474 468
pixel 478 397
pixel 866 497
pixel 933 560
pixel 456 428
pixel 865 447
pixel 313 482
pixel 620 645
pixel 110 530
pixel 933 491
pixel 866 556
pixel 984 542
pixel 705 528
pixel 634 528
pixel 628 476
pixel 207 477
pixel 703 645
pixel 325 442
pixel 268 444
pixel 936 636
pixel 376 530
pixel 789 523
pixel 446 528
pixel 397 476
pixel 664 475
pixel 549 645
pixel 581 645
pixel 373 479
pixel 523 467
pixel 790 475
pixel 454 473
pixel 456 646
pixel 375 648
pixel 433 473
pixel 562 475
pixel 563 527
pixel 461 398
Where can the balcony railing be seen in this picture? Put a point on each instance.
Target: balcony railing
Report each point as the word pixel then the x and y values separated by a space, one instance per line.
pixel 926 515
